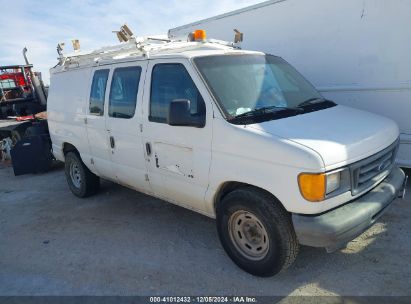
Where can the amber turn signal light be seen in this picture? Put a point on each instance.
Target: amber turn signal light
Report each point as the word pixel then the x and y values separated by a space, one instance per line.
pixel 312 186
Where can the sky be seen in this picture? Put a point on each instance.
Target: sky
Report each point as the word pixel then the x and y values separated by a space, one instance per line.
pixel 40 25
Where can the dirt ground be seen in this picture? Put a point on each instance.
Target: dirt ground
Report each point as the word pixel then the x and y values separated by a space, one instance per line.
pixel 121 242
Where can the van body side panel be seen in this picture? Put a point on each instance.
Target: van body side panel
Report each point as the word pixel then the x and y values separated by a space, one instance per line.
pixel 245 155
pixel 97 134
pixel 179 163
pixel 66 110
pixel 127 156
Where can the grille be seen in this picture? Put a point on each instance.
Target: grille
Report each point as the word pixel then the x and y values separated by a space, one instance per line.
pixel 370 171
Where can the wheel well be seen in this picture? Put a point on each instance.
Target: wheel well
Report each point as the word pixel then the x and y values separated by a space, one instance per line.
pixel 228 187
pixel 67 147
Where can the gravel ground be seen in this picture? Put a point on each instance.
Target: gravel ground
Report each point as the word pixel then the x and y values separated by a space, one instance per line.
pixel 121 242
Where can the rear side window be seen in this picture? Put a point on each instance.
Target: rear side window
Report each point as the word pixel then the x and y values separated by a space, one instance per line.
pixel 169 82
pixel 98 92
pixel 123 92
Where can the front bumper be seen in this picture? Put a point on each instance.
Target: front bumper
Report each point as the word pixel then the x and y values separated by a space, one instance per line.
pixel 335 228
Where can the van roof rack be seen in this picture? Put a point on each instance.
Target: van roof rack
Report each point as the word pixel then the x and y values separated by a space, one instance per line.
pixel 135 47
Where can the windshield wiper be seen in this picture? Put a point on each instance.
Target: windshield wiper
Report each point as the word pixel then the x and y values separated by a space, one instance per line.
pixel 311 101
pixel 267 110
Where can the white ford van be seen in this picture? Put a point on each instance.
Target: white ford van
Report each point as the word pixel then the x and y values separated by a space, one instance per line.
pixel 236 135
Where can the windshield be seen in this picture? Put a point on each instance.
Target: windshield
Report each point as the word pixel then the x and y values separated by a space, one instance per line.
pixel 246 83
pixel 7 83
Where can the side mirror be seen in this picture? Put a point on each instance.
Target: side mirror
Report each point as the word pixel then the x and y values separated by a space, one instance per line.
pixel 179 114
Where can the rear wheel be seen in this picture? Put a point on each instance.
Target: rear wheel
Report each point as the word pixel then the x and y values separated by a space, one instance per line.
pixel 256 232
pixel 81 180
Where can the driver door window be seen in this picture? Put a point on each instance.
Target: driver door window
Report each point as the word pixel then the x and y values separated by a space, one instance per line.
pixel 169 82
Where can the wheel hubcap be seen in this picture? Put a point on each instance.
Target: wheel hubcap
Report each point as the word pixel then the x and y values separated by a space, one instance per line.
pixel 248 235
pixel 75 175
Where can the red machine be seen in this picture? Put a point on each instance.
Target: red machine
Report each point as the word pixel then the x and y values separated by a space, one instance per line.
pixel 18 96
pixel 15 76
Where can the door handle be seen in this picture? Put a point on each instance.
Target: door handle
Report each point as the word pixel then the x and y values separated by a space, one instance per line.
pixel 112 142
pixel 148 149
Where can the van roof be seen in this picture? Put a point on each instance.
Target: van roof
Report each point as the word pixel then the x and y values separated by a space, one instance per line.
pixel 144 49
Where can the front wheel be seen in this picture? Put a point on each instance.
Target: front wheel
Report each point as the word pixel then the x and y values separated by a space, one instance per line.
pixel 256 232
pixel 81 180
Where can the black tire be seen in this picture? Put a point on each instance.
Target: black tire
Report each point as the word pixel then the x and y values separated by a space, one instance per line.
pixel 271 217
pixel 86 183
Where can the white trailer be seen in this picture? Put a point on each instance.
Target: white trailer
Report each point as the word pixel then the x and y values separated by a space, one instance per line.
pixel 356 53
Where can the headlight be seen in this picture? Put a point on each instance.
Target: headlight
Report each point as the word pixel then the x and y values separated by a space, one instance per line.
pixel 333 181
pixel 315 187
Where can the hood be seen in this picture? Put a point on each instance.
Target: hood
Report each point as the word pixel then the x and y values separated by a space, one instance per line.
pixel 340 135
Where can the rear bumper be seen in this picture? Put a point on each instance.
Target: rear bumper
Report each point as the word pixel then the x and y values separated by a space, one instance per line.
pixel 337 227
